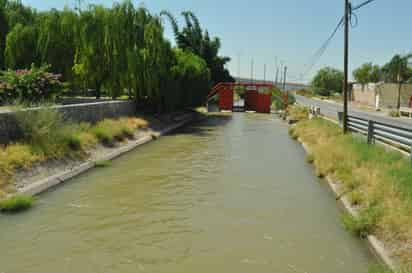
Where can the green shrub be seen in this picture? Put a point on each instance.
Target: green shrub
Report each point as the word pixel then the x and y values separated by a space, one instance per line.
pixel 43 130
pixel 74 142
pixel 305 93
pixel 298 113
pixel 278 98
pixel 33 85
pixel 379 269
pixel 355 198
pixel 103 135
pixel 394 114
pixel 128 132
pixel 103 164
pixel 16 204
pixel 363 224
pixel 310 158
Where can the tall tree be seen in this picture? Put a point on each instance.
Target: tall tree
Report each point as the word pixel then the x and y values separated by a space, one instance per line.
pixel 328 80
pixel 20 49
pixel 367 73
pixel 92 59
pixel 56 44
pixel 194 39
pixel 4 29
pixel 397 70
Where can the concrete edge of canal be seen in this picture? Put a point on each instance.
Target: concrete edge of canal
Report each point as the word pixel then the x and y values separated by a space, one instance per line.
pixel 59 178
pixel 376 245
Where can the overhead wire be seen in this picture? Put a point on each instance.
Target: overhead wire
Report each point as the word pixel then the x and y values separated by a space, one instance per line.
pixel 353 19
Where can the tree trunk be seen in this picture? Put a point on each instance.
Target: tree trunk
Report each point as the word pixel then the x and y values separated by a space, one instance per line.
pixel 399 95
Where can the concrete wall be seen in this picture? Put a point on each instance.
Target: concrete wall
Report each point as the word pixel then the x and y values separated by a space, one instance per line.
pixel 68 101
pixel 387 94
pixel 364 94
pixel 85 112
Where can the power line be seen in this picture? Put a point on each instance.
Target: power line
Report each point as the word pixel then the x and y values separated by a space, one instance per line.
pixel 362 5
pixel 319 53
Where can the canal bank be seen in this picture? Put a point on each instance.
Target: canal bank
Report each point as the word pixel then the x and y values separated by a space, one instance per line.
pixel 229 194
pixel 45 175
pixel 372 184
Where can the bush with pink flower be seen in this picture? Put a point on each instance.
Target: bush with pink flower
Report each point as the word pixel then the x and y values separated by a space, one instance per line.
pixel 29 85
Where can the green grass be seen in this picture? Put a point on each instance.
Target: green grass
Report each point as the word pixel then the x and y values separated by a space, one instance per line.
pixel 394 114
pixel 362 225
pixel 47 135
pixel 292 133
pixel 298 113
pixel 379 269
pixel 377 181
pixel 310 158
pixel 103 164
pixel 16 204
pixel 103 135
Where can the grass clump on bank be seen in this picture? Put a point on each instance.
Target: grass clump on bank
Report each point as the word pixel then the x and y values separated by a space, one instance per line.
pixel 16 204
pixel 298 113
pixel 103 164
pixel 47 135
pixel 377 181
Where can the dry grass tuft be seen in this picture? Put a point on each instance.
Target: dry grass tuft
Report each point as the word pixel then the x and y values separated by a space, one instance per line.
pixel 48 136
pixel 298 113
pixel 377 181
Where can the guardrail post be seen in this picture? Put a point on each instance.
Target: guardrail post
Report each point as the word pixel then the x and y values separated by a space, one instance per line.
pixel 370 132
pixel 340 118
pixel 410 154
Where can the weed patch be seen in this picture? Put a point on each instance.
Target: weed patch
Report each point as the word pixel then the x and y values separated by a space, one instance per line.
pixel 16 204
pixel 377 181
pixel 103 164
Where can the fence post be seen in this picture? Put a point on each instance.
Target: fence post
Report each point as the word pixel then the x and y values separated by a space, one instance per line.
pixel 370 132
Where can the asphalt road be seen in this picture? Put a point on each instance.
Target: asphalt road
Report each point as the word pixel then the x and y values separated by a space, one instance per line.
pixel 331 109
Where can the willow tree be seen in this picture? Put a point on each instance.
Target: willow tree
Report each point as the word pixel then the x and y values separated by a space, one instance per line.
pixel 4 29
pixel 91 58
pixel 56 44
pixel 17 13
pixel 20 51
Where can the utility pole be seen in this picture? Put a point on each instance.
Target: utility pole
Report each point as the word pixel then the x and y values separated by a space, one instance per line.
pixel 238 65
pixel 286 98
pixel 264 73
pixel 280 71
pixel 346 63
pixel 251 71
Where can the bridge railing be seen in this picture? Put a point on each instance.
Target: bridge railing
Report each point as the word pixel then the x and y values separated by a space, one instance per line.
pixel 396 136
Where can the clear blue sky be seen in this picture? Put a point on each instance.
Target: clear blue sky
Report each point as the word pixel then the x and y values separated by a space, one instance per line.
pixel 292 30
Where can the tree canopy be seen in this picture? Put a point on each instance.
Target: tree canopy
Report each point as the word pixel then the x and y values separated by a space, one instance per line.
pixel 367 73
pixel 198 41
pixel 114 51
pixel 327 81
pixel 397 69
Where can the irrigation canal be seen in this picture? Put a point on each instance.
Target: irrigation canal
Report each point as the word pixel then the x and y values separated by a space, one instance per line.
pixel 229 194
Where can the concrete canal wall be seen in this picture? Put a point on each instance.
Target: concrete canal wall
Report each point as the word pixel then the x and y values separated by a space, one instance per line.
pixel 109 153
pixel 81 112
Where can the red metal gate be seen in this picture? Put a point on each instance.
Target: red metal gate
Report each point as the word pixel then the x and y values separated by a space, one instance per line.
pixel 255 98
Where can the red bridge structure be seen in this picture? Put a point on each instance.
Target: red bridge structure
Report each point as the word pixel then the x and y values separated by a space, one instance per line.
pixel 256 96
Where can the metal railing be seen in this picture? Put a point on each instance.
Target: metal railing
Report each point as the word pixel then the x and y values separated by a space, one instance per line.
pixel 396 136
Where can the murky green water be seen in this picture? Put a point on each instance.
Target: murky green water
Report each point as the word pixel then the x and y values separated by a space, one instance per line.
pixel 225 195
